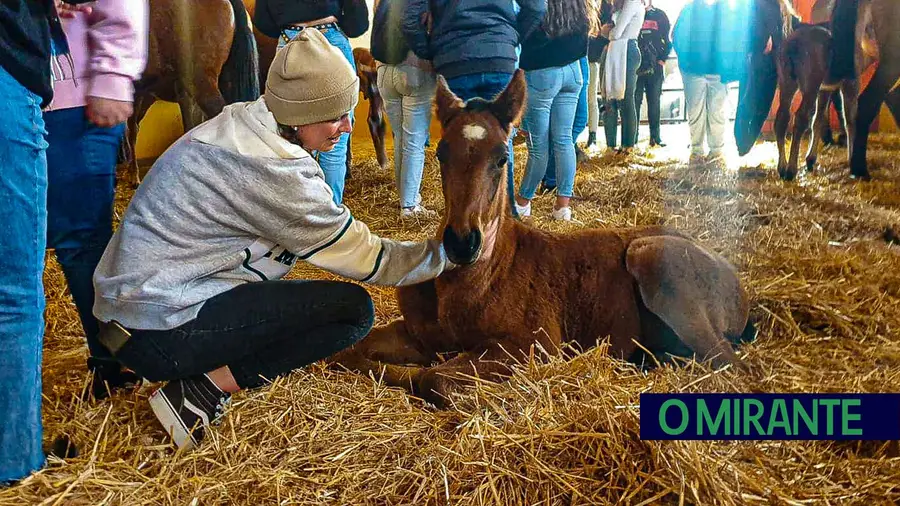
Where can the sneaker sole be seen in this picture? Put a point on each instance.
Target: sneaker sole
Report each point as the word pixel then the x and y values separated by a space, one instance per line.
pixel 170 420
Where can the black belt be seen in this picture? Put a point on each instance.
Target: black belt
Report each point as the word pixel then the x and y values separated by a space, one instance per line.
pixel 113 335
pixel 321 26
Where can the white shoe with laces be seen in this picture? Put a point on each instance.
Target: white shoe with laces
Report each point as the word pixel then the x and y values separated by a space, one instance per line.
pixel 417 212
pixel 523 211
pixel 562 214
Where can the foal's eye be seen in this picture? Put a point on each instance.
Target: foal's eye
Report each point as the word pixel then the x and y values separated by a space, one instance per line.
pixel 501 162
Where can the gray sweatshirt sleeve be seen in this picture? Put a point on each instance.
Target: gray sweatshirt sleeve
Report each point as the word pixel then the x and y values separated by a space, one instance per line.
pixel 296 209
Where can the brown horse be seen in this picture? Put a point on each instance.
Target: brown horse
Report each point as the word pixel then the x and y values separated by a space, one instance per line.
pixel 365 68
pixel 864 31
pixel 202 55
pixel 802 62
pixel 515 286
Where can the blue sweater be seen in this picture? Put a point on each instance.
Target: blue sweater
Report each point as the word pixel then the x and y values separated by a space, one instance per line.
pixel 713 39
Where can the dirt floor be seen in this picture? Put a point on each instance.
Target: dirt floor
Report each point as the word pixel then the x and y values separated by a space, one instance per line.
pixel 815 254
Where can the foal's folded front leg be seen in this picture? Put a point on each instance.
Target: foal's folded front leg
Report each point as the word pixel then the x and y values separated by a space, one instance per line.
pixel 385 353
pixel 492 361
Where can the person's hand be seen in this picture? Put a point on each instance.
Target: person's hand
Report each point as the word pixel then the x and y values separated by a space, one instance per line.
pixel 768 46
pixel 605 29
pixel 105 112
pixel 661 63
pixel 67 10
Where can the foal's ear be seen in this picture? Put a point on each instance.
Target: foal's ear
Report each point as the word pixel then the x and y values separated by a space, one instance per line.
pixel 509 106
pixel 448 104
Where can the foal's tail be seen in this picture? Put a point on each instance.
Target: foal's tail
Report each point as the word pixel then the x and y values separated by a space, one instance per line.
pixel 239 79
pixel 843 47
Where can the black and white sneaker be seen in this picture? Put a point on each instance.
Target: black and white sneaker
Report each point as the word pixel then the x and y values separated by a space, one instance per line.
pixel 187 407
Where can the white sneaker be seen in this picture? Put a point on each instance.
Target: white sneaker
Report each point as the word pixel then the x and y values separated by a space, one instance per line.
pixel 562 214
pixel 417 212
pixel 523 211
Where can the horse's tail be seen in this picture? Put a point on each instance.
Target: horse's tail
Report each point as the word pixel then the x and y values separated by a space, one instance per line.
pixel 843 35
pixel 239 79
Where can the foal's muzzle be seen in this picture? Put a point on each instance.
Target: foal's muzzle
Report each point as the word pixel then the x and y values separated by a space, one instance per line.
pixel 462 250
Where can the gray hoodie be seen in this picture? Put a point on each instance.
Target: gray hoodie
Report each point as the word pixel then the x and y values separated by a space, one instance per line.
pixel 232 202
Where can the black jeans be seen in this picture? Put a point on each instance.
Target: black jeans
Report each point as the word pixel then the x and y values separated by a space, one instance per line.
pixel 652 86
pixel 259 330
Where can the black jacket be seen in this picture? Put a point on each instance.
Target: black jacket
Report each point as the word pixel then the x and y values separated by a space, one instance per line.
pixel 597 44
pixel 540 51
pixel 654 41
pixel 272 16
pixel 25 31
pixel 477 36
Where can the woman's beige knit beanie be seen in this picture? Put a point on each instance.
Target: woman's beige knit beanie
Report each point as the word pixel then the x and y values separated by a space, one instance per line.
pixel 310 81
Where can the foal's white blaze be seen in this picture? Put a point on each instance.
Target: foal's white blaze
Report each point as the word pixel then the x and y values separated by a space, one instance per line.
pixel 474 132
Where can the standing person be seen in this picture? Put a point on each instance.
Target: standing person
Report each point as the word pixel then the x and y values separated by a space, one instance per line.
pixel 551 59
pixel 85 124
pixel 654 45
pixel 473 44
pixel 620 73
pixel 596 46
pixel 548 183
pixel 30 37
pixel 339 21
pixel 190 289
pixel 407 85
pixel 711 40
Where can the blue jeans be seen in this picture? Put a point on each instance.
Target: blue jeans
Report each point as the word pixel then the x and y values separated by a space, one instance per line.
pixel 23 220
pixel 408 92
pixel 581 121
pixel 552 102
pixel 334 162
pixel 626 106
pixel 487 86
pixel 81 175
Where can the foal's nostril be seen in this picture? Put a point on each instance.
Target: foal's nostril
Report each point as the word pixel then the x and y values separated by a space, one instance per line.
pixel 462 250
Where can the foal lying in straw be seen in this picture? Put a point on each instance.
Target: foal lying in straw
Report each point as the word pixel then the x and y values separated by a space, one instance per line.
pixel 517 285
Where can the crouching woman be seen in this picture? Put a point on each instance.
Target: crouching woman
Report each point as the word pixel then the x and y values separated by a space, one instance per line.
pixel 189 290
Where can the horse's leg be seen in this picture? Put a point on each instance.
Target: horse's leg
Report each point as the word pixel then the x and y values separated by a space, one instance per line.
pixel 820 123
pixel 492 361
pixel 386 351
pixel 377 128
pixel 869 104
pixel 696 293
pixel 142 104
pixel 801 125
pixel 849 97
pixel 782 120
pixel 892 101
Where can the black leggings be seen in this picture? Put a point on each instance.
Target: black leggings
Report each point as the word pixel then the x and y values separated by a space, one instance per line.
pixel 259 330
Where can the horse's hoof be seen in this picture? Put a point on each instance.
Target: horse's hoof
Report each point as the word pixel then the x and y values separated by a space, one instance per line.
pixel 786 174
pixel 860 176
pixel 810 164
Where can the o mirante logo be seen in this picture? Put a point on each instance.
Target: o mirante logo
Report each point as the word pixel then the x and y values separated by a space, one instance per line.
pixel 770 416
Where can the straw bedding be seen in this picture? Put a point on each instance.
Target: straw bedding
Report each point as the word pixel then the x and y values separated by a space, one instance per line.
pixel 816 256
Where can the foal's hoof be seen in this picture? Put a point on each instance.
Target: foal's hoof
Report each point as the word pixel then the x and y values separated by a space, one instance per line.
pixel 810 164
pixel 787 174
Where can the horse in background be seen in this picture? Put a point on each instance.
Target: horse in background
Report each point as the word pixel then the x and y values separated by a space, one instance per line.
pixel 864 31
pixel 802 63
pixel 646 288
pixel 368 86
pixel 202 56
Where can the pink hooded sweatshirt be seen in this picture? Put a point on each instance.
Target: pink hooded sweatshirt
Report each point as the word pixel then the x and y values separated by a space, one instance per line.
pixel 108 48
